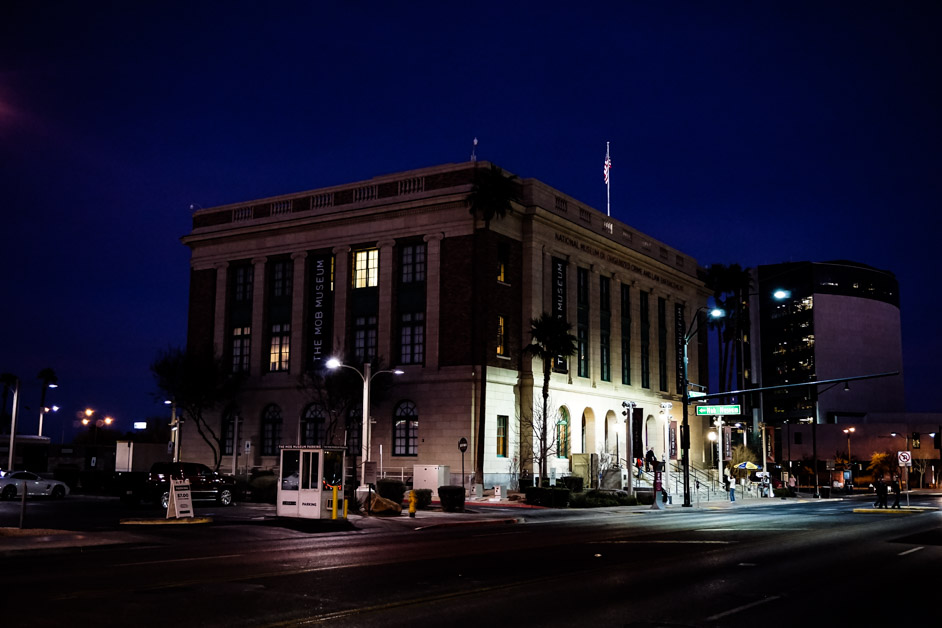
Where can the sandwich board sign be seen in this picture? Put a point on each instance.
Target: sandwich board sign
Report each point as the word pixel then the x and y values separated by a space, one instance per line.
pixel 181 500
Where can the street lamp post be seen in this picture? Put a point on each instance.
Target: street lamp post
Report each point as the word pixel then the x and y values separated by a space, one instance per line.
pixel 849 431
pixel 367 377
pixel 42 403
pixel 16 396
pixel 685 394
pixel 175 429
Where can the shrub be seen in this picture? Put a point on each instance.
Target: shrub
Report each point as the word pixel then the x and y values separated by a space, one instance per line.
pixel 573 482
pixel 452 498
pixel 393 490
pixel 603 498
pixel 550 496
pixel 423 497
pixel 781 492
pixel 645 498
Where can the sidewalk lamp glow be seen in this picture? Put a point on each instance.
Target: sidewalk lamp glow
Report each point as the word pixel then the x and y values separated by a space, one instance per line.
pixel 367 377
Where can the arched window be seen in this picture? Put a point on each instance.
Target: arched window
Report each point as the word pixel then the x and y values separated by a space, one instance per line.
pixel 271 430
pixel 314 425
pixel 584 450
pixel 562 434
pixel 406 430
pixel 229 433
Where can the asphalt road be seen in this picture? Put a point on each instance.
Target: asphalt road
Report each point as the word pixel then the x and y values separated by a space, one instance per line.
pixel 815 562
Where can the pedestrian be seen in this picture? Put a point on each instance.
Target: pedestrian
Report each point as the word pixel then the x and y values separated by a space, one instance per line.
pixel 649 460
pixel 640 464
pixel 731 487
pixel 791 484
pixel 895 493
pixel 880 487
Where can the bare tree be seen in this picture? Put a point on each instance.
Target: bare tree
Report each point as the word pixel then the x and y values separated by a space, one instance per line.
pixel 543 431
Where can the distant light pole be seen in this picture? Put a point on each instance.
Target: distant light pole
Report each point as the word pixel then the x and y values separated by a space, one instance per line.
pixel 367 377
pixel 175 428
pixel 16 397
pixel 96 423
pixel 849 431
pixel 47 384
pixel 685 426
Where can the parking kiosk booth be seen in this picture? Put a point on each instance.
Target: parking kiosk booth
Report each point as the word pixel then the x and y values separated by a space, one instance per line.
pixel 310 479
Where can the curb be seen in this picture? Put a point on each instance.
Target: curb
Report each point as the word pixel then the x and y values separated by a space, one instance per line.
pixel 158 522
pixel 479 522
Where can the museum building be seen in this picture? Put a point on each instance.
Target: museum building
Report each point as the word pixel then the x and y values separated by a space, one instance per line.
pixel 396 272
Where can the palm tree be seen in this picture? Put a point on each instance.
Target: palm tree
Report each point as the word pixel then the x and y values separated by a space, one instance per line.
pixel 9 381
pixel 492 196
pixel 552 338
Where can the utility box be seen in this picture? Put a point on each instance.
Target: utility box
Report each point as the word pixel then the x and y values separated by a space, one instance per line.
pixel 131 456
pixel 586 466
pixel 431 476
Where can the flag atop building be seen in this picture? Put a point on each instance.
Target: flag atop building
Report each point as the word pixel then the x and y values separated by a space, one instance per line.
pixel 608 189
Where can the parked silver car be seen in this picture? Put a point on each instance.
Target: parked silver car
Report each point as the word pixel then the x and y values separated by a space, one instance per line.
pixel 12 483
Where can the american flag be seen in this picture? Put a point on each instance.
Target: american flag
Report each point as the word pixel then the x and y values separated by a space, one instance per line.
pixel 607 167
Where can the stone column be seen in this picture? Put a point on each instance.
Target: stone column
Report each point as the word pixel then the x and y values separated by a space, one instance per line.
pixel 219 312
pixel 433 270
pixel 298 302
pixel 341 290
pixel 261 361
pixel 384 319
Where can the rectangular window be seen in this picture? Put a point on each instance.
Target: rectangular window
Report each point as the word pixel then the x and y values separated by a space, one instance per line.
pixel 282 272
pixel 625 335
pixel 280 347
pixel 405 437
pixel 502 420
pixel 645 341
pixel 503 260
pixel 364 337
pixel 412 338
pixel 501 346
pixel 413 263
pixel 366 268
pixel 605 328
pixel 243 283
pixel 582 322
pixel 662 344
pixel 241 349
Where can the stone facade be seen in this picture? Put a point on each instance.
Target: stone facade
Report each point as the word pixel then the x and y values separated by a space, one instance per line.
pixel 556 255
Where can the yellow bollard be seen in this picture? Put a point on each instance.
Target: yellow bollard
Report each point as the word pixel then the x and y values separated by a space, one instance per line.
pixel 345 508
pixel 333 511
pixel 412 501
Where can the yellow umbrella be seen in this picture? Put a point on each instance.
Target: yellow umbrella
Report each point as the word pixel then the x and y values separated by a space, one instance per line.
pixel 746 465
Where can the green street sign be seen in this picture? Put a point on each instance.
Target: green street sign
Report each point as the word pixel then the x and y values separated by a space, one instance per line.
pixel 717 410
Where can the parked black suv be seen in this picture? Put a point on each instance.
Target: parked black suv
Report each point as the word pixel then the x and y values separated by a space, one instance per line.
pixel 205 484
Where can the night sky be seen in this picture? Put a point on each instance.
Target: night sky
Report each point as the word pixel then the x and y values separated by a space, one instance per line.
pixel 756 133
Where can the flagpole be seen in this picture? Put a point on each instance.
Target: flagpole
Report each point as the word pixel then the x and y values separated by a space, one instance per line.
pixel 608 181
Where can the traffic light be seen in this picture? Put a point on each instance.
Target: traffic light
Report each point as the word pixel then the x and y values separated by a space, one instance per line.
pixel 915 440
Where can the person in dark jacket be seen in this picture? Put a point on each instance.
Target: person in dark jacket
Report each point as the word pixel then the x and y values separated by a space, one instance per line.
pixel 895 487
pixel 880 487
pixel 650 460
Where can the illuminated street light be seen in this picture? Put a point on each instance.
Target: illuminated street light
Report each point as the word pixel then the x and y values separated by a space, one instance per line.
pixel 334 364
pixel 685 426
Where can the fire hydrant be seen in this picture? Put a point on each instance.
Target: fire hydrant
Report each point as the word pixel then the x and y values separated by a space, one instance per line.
pixel 412 501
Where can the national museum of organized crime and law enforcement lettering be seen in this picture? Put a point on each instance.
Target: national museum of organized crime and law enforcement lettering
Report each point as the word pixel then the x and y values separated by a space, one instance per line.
pixel 397 271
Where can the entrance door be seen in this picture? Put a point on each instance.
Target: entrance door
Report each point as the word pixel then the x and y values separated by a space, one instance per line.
pixel 309 493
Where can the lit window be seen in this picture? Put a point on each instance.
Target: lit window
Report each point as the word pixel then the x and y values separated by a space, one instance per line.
pixel 502 420
pixel 280 347
pixel 562 435
pixel 501 346
pixel 366 268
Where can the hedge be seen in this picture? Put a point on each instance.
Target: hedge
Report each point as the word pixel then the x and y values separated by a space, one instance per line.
pixel 451 498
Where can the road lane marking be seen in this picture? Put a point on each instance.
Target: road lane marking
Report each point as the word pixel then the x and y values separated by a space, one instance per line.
pixel 663 542
pixel 910 551
pixel 739 609
pixel 176 560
